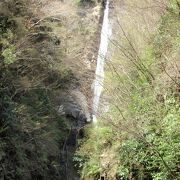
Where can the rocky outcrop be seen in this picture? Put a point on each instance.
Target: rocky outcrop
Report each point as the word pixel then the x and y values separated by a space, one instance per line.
pixel 74 104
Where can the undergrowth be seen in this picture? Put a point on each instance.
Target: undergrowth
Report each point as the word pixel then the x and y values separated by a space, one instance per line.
pixel 31 131
pixel 139 137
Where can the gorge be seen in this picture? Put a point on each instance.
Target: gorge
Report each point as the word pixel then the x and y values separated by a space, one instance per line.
pixel 79 103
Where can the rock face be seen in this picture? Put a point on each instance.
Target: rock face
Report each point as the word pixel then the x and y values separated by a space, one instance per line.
pixel 78 28
pixel 74 104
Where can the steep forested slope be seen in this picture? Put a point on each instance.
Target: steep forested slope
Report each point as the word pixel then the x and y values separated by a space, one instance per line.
pixel 138 138
pixel 44 97
pixel 29 124
pixel 48 53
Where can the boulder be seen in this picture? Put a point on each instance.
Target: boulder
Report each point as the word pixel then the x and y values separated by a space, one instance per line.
pixel 74 104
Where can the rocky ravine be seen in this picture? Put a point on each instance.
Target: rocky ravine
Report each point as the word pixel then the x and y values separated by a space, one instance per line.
pixel 78 28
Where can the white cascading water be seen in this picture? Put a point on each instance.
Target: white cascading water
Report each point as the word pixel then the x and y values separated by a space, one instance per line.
pixel 99 76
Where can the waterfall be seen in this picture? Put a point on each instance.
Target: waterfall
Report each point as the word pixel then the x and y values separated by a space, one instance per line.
pixel 99 75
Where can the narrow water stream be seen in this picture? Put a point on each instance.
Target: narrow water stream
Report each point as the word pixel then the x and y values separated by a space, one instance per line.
pixel 103 48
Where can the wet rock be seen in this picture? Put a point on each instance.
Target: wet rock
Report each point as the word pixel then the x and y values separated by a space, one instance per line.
pixel 71 141
pixel 75 178
pixel 74 104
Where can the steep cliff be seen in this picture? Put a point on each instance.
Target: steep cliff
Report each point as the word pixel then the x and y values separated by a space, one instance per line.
pixel 47 59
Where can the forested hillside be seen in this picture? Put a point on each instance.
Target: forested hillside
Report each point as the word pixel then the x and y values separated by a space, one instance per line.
pixel 48 56
pixel 31 131
pixel 38 44
pixel 138 136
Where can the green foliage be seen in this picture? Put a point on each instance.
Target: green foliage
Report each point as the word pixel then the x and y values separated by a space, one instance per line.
pixel 174 6
pixel 140 137
pixel 9 55
pixel 157 151
pixel 165 40
pixel 8 50
pixel 29 123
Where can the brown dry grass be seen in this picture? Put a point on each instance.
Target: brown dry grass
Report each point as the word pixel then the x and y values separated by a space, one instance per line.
pixel 78 30
pixel 134 26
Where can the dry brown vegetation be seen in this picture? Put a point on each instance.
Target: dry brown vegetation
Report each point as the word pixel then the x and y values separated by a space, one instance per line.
pixel 137 138
pixel 46 49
